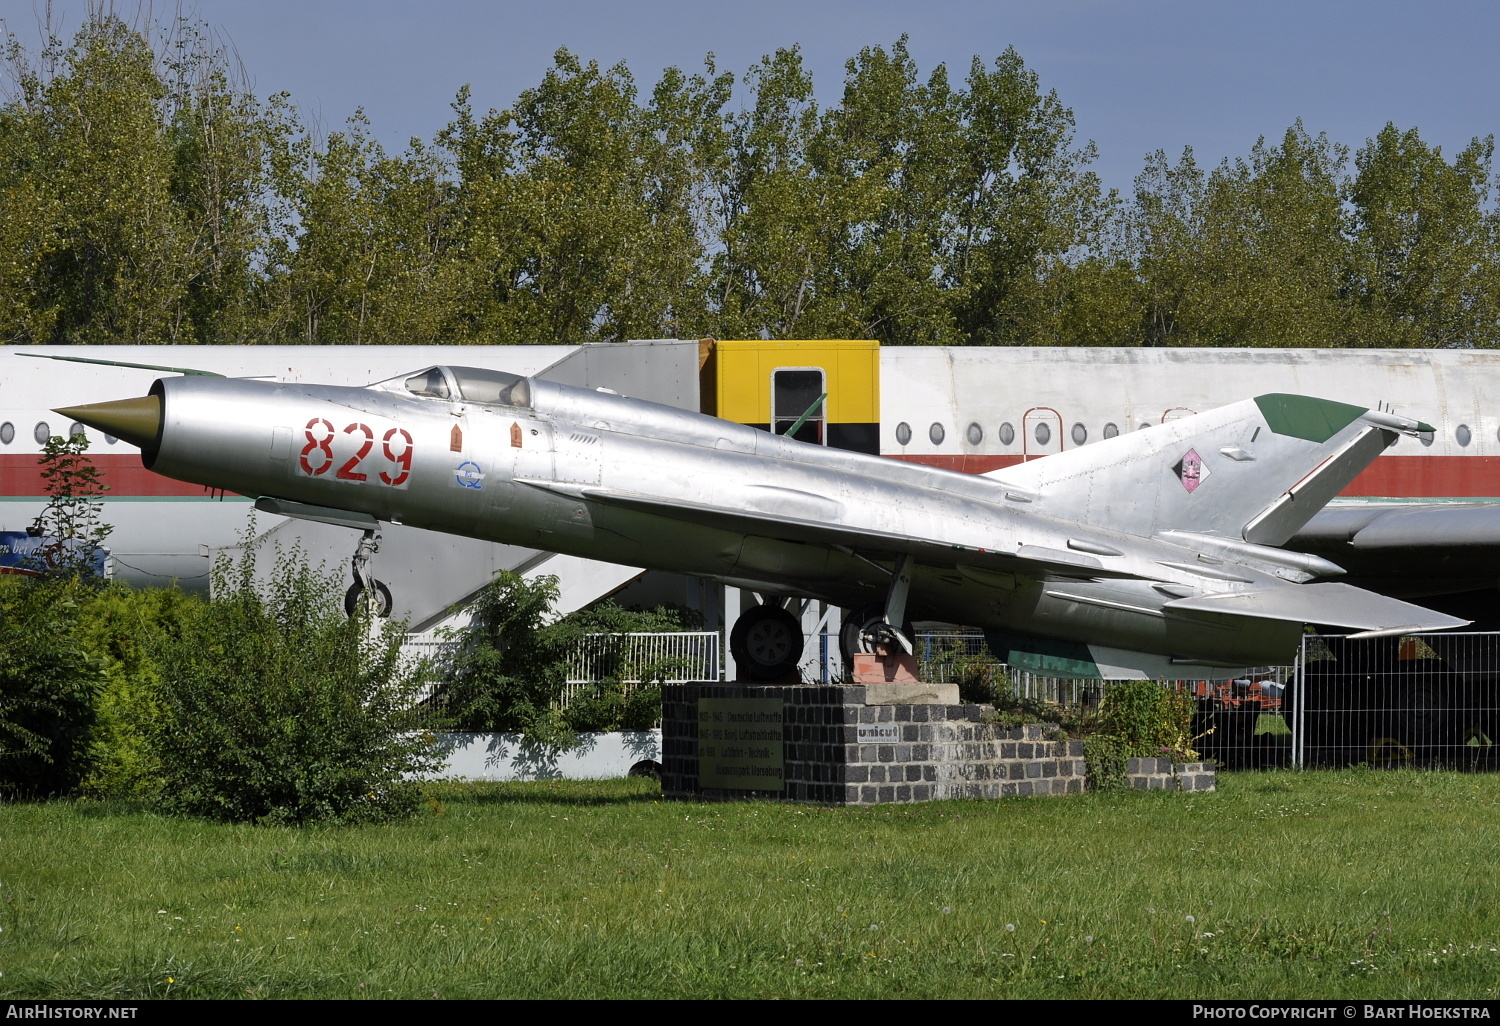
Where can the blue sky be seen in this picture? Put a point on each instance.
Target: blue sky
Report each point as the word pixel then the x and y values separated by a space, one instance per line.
pixel 1138 76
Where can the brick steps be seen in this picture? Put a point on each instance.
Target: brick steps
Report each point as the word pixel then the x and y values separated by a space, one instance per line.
pixel 835 748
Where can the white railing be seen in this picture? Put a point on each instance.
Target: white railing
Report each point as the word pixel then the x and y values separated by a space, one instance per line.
pixel 674 657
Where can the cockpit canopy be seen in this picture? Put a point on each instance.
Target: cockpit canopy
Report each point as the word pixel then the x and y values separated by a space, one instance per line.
pixel 470 384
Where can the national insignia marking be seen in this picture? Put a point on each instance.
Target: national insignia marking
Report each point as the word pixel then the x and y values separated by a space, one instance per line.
pixel 1190 470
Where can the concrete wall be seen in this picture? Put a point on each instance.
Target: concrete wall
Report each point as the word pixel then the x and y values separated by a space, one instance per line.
pixel 509 757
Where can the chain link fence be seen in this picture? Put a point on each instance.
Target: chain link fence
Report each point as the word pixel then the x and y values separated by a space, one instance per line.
pixel 1425 700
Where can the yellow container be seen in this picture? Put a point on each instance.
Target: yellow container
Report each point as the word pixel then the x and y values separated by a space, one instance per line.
pixel 766 383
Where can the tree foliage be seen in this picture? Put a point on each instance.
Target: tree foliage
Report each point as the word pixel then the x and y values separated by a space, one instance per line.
pixel 150 197
pixel 48 686
pixel 277 708
pixel 509 667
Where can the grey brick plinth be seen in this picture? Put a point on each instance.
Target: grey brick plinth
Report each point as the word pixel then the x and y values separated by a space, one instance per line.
pixel 938 751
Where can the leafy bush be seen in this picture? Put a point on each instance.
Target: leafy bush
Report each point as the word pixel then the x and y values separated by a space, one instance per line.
pixel 1149 719
pixel 1138 719
pixel 71 525
pixel 48 686
pixel 124 628
pixel 508 672
pixel 277 708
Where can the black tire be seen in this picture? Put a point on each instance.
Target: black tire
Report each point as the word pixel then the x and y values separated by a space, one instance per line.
pixel 855 622
pixel 646 768
pixel 383 601
pixel 766 643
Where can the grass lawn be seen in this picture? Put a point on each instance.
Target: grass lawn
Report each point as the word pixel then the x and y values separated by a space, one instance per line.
pixel 1353 884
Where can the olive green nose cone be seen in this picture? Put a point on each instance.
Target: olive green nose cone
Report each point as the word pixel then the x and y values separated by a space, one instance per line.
pixel 137 421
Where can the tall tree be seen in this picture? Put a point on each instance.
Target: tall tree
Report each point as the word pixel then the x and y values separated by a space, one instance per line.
pixel 887 149
pixel 130 189
pixel 1425 267
pixel 578 206
pixel 1248 255
pixel 776 221
pixel 1025 202
pixel 360 257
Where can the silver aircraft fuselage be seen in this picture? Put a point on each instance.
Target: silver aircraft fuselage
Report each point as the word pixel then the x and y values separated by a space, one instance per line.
pixel 602 476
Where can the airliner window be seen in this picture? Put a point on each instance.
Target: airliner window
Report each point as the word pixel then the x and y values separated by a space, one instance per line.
pixel 903 433
pixel 430 383
pixel 1111 430
pixel 1463 435
pixel 1080 434
pixel 1007 434
pixel 7 432
pixel 478 385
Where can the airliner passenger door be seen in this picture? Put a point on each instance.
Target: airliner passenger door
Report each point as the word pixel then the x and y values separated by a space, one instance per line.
pixel 1041 432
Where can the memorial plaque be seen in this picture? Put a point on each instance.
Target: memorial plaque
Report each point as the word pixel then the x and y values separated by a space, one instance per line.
pixel 879 733
pixel 740 744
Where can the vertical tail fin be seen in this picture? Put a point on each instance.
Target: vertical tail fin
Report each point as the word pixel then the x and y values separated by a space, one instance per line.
pixel 1256 470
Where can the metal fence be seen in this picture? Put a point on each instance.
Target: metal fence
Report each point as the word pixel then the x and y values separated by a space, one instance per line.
pixel 670 657
pixel 1417 701
pixel 1422 700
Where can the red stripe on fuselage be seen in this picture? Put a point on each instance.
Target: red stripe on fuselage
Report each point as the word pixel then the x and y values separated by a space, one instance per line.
pixel 1389 477
pixel 21 476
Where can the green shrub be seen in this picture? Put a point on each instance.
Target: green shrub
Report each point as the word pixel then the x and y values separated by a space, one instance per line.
pixel 506 675
pixel 277 708
pixel 124 628
pixel 48 687
pixel 509 671
pixel 1138 719
pixel 1148 719
pixel 980 680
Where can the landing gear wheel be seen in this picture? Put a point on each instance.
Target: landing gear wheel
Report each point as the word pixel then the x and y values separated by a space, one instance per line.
pixel 766 643
pixel 355 594
pixel 857 628
pixel 646 768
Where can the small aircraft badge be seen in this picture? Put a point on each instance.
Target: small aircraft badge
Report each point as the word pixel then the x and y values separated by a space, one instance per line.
pixel 1190 470
pixel 468 475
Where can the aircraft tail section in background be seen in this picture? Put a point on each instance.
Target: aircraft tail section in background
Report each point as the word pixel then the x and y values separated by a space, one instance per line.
pixel 1277 458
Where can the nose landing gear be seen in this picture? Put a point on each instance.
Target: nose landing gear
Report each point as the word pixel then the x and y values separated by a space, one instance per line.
pixel 365 588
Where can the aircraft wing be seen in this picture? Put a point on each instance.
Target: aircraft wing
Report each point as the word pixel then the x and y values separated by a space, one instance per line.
pixel 1403 527
pixel 1430 549
pixel 1336 605
pixel 1029 559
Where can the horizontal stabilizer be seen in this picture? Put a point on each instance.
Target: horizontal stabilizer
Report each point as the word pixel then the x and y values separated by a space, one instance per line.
pixel 1300 503
pixel 189 371
pixel 1333 605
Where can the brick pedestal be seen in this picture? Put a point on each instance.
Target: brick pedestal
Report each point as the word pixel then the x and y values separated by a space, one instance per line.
pixel 830 746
